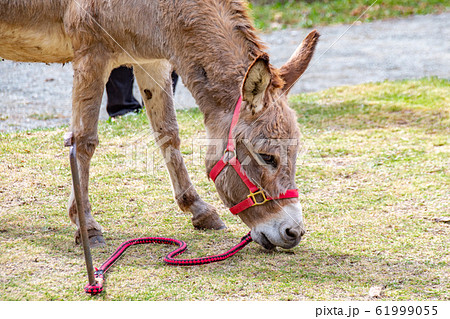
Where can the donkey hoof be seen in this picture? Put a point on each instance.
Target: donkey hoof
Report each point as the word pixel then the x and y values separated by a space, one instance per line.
pixel 205 216
pixel 208 222
pixel 97 241
pixel 95 238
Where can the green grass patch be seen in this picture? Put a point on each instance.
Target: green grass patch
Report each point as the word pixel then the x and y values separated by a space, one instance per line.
pixel 269 15
pixel 373 173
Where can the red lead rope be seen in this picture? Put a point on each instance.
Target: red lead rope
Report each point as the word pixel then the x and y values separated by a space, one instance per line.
pixel 257 196
pixel 170 258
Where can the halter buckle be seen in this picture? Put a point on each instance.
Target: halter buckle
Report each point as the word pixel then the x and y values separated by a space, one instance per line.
pixel 253 196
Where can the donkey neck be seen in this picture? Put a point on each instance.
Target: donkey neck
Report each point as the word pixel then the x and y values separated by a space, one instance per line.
pixel 212 54
pixel 216 87
pixel 215 78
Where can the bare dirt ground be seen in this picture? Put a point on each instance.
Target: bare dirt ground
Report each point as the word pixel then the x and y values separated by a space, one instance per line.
pixel 34 95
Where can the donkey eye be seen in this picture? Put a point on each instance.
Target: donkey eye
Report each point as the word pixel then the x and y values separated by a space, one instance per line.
pixel 269 159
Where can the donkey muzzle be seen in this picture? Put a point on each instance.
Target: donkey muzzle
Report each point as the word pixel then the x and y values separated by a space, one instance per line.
pixel 285 230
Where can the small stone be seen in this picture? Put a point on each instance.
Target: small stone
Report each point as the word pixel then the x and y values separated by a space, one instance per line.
pixel 375 291
pixel 442 220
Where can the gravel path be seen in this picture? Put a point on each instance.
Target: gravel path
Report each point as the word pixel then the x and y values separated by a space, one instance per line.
pixel 36 95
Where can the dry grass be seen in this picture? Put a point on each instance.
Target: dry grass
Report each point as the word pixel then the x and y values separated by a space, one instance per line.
pixel 373 173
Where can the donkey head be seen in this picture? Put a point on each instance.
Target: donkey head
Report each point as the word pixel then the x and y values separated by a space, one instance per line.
pixel 266 143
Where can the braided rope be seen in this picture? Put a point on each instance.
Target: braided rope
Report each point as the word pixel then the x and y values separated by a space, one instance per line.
pixel 169 259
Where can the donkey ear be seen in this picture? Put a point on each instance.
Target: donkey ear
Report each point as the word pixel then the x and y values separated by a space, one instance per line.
pixel 297 64
pixel 256 82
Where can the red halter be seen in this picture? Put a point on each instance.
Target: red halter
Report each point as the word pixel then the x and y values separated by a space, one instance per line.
pixel 234 162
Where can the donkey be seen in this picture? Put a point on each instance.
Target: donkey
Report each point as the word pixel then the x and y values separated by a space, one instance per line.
pixel 214 48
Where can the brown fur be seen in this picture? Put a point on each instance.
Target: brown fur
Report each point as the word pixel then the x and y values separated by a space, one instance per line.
pixel 211 44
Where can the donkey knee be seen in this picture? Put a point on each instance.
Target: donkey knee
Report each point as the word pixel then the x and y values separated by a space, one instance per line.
pixel 167 138
pixel 86 145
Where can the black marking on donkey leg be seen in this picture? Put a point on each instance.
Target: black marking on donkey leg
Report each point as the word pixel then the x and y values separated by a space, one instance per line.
pixel 148 94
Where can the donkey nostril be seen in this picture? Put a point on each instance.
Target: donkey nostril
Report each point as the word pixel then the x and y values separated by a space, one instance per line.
pixel 293 233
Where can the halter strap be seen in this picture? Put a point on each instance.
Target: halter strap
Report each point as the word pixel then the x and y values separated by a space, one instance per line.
pixel 256 196
pixel 237 110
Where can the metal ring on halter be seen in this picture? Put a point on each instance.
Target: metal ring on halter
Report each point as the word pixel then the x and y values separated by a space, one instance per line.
pixel 228 151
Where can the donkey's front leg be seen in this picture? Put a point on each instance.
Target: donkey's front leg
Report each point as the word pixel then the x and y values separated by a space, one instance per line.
pixel 89 80
pixel 156 90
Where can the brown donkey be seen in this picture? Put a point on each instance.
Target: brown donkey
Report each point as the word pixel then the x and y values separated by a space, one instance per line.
pixel 213 46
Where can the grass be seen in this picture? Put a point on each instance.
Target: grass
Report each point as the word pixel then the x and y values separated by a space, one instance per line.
pixel 373 172
pixel 270 15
